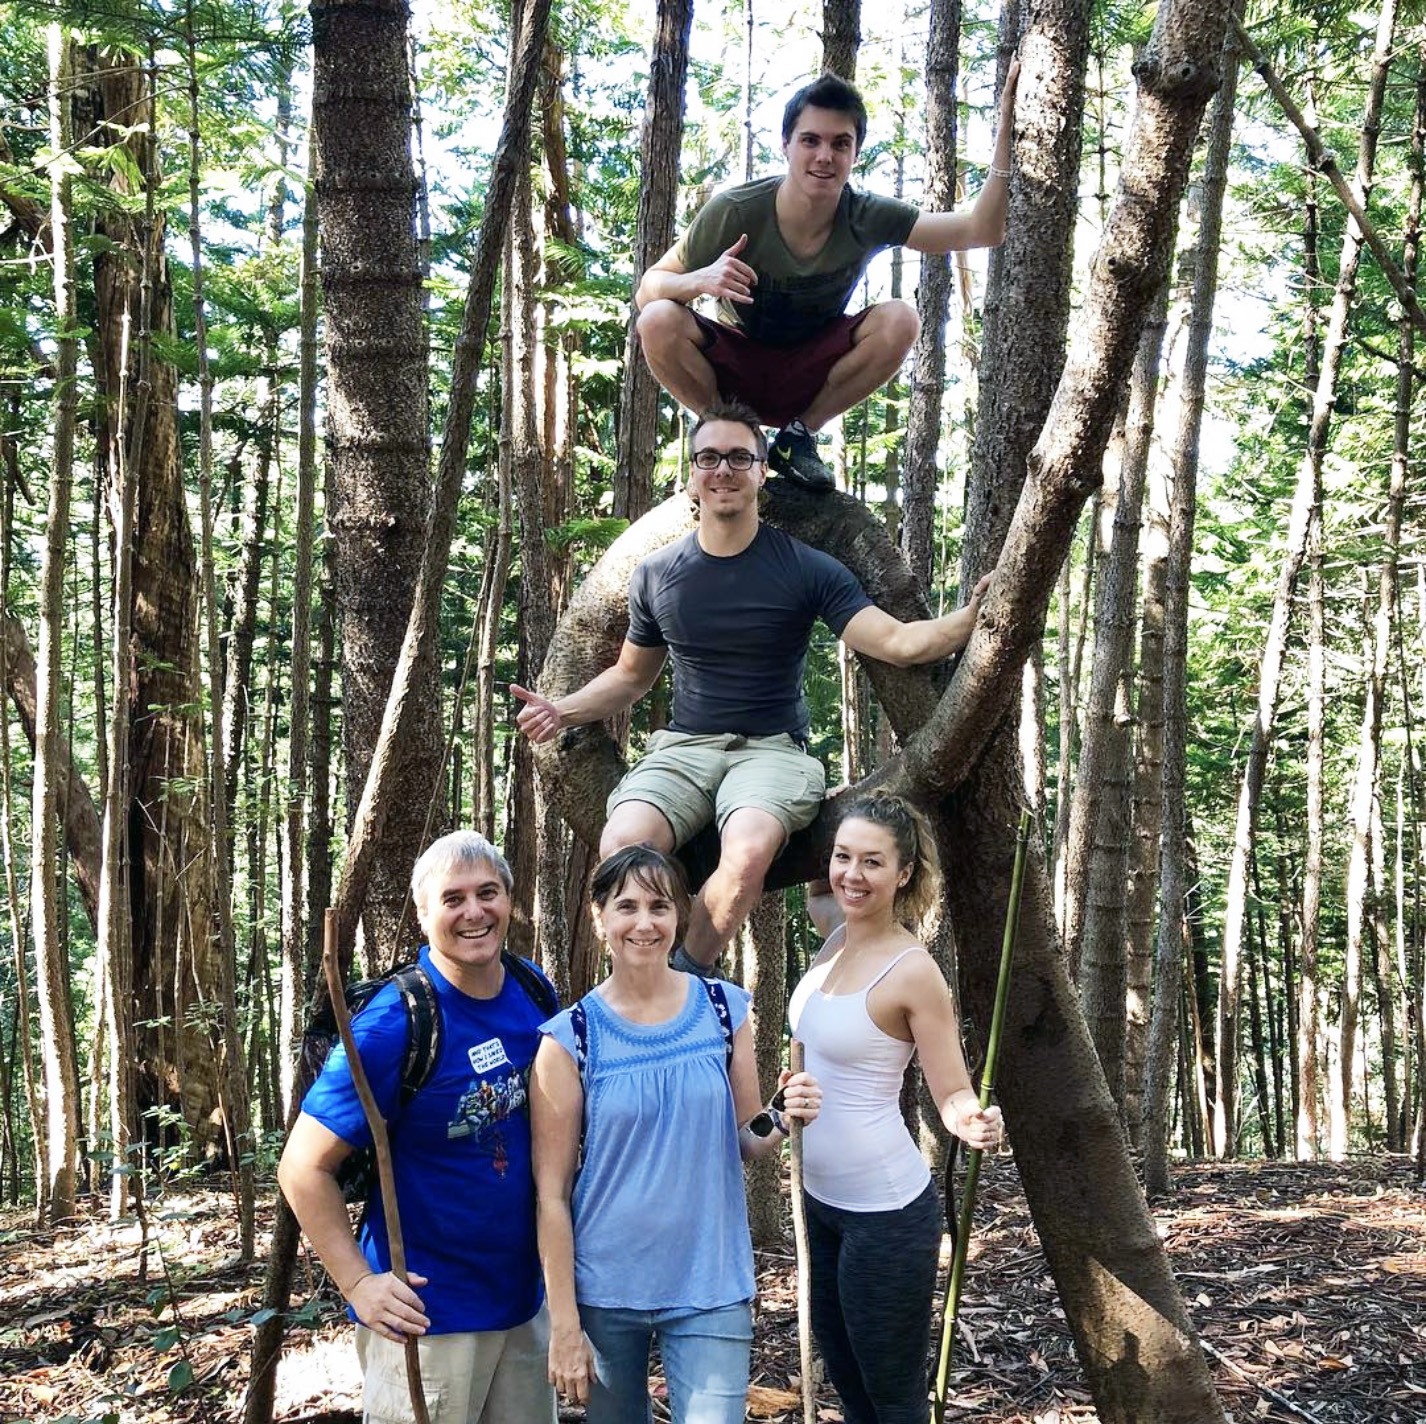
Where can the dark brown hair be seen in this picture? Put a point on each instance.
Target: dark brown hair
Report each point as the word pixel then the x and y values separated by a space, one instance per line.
pixel 658 873
pixel 829 91
pixel 736 413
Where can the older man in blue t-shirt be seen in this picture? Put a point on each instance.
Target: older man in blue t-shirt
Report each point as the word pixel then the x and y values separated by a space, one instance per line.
pixel 733 605
pixel 460 1154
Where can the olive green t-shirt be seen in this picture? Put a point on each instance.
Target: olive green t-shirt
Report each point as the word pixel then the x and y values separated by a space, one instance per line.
pixel 794 297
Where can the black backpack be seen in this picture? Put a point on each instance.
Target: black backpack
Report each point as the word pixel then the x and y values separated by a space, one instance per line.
pixel 357 1174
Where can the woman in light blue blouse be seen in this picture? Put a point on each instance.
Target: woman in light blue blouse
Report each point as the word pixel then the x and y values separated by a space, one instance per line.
pixel 644 1103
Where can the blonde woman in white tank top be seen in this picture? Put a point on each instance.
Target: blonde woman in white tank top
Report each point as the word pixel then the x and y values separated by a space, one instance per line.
pixel 873 998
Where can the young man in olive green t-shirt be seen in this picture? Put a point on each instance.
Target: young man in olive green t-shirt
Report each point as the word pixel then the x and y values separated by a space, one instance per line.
pixel 782 256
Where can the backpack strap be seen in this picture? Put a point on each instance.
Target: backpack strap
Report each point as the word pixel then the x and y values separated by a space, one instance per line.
pixel 423 1016
pixel 579 1023
pixel 537 988
pixel 423 1029
pixel 719 999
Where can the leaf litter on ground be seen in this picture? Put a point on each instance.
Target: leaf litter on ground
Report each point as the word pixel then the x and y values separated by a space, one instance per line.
pixel 1307 1283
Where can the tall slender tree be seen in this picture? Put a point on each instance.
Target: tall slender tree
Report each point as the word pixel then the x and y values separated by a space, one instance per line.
pixel 233 1080
pixel 920 475
pixel 294 988
pixel 1147 828
pixel 1098 861
pixel 56 1011
pixel 1304 500
pixel 660 143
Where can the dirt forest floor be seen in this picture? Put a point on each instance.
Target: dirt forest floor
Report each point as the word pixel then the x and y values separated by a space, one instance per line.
pixel 1308 1284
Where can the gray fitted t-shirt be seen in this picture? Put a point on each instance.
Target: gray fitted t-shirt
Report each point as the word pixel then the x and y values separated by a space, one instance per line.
pixel 737 628
pixel 794 297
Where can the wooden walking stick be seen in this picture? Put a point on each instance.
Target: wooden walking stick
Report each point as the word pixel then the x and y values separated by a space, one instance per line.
pixel 380 1144
pixel 799 1236
pixel 973 1155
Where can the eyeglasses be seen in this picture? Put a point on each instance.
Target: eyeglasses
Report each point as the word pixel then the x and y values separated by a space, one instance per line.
pixel 739 460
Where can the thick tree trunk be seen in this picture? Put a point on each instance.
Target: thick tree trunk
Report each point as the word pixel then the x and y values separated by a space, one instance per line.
pixel 406 703
pixel 660 144
pixel 376 414
pixel 168 882
pixel 1131 1331
pixel 920 475
pixel 1305 499
pixel 1134 1339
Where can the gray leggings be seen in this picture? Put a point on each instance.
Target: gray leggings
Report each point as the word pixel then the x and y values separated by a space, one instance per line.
pixel 873 1277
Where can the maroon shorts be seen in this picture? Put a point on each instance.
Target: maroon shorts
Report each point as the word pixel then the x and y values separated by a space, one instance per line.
pixel 778 382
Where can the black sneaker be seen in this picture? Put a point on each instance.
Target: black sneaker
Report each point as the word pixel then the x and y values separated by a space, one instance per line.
pixel 794 456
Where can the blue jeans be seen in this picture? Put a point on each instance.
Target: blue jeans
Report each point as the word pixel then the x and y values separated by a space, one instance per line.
pixel 705 1360
pixel 873 1276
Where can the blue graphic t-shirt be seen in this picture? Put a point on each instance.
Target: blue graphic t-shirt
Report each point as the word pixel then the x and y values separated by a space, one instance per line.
pixel 460 1151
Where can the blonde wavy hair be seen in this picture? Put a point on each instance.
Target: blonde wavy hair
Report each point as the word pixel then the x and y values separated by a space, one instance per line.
pixel 915 847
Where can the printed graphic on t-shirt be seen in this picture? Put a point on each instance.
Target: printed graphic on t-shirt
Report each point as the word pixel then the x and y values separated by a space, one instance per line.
pixel 487 1056
pixel 489 1101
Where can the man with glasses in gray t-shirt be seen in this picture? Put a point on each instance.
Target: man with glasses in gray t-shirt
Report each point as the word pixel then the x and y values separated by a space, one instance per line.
pixel 733 604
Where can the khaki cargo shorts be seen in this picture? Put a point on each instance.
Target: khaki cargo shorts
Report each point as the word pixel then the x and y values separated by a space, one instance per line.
pixel 698 779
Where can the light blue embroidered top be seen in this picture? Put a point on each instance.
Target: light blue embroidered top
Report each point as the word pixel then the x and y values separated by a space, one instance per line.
pixel 660 1214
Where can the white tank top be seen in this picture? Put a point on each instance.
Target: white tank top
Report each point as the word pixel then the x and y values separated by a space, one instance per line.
pixel 858 1154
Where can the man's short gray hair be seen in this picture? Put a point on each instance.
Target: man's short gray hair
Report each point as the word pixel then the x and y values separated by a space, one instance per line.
pixel 456 851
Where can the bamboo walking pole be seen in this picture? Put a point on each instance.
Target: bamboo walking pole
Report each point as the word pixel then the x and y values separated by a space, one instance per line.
pixel 382 1147
pixel 799 1236
pixel 973 1155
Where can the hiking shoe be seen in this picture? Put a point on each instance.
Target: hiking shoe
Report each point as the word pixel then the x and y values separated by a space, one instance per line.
pixel 794 457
